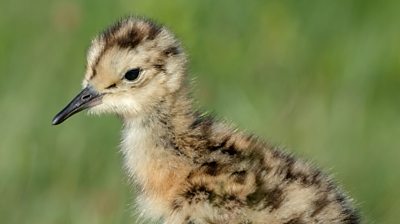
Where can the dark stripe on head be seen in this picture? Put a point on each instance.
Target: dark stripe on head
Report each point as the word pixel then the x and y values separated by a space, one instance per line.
pixel 131 39
pixel 134 32
pixel 126 33
pixel 160 67
pixel 94 72
pixel 171 51
pixel 112 86
pixel 154 30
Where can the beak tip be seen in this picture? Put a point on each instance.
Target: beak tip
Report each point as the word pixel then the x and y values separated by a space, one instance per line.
pixel 55 121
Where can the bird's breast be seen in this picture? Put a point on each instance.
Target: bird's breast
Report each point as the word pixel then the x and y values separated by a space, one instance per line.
pixel 158 171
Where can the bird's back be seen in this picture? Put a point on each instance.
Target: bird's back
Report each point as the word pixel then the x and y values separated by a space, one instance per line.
pixel 223 175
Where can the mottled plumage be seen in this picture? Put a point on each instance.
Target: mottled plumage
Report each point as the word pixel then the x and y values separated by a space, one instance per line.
pixel 187 166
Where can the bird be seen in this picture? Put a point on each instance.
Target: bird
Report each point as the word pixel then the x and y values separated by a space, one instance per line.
pixel 187 165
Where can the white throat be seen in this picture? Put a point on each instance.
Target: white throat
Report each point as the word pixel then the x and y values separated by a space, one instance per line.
pixel 136 139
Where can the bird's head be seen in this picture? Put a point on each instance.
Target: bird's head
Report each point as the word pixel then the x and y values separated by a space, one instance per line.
pixel 131 66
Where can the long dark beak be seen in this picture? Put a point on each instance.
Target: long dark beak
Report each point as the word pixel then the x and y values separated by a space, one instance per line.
pixel 87 98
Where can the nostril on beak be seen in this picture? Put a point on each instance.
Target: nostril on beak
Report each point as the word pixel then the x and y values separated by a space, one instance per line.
pixel 86 97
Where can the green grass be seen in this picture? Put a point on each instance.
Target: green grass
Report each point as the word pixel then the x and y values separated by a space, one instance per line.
pixel 321 78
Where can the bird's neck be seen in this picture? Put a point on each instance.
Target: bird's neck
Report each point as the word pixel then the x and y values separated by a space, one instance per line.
pixel 152 145
pixel 164 124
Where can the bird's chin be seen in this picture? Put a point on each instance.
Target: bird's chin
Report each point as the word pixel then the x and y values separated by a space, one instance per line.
pixel 99 110
pixel 121 110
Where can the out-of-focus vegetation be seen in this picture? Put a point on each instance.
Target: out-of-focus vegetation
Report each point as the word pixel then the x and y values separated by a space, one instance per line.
pixel 319 77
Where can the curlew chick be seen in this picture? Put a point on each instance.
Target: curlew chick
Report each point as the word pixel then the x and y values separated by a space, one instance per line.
pixel 187 166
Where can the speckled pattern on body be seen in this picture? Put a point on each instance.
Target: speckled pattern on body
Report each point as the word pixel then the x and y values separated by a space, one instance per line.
pixel 187 166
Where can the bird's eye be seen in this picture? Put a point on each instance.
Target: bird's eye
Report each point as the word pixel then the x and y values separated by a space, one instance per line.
pixel 132 74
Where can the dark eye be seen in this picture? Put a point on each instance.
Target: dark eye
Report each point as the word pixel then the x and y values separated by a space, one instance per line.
pixel 132 74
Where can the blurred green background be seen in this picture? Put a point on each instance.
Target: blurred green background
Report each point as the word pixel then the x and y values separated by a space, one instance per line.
pixel 321 78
